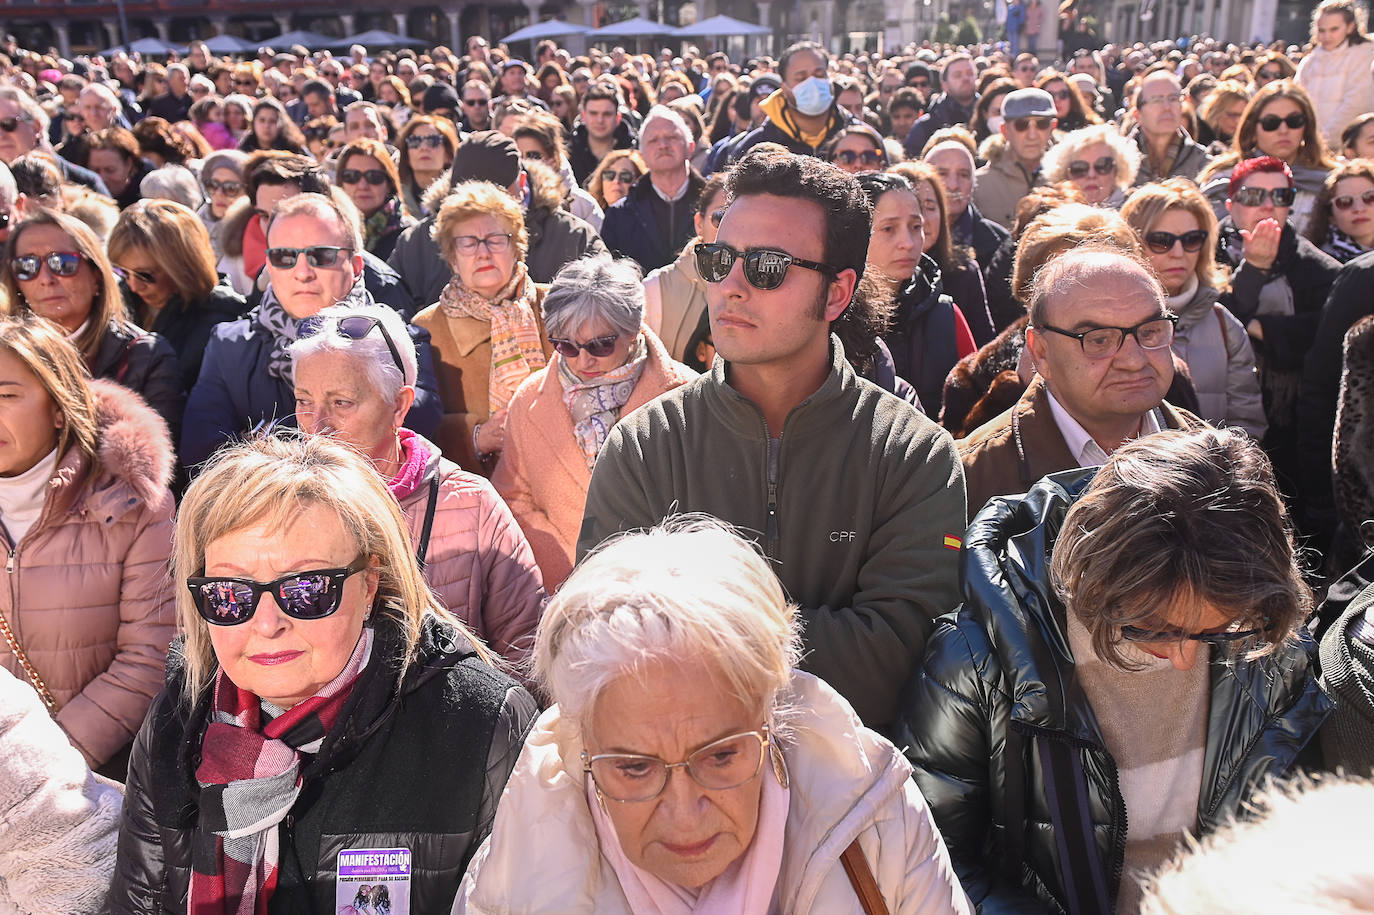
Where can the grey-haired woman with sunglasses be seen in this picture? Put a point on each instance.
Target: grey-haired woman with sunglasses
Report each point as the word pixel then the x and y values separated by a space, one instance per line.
pixel 1128 668
pixel 605 364
pixel 353 369
pixel 326 721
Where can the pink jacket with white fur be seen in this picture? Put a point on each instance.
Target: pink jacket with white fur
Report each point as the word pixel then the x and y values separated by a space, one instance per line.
pixel 87 591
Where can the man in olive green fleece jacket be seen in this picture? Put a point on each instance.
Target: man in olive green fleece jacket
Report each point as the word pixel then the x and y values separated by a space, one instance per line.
pixel 856 497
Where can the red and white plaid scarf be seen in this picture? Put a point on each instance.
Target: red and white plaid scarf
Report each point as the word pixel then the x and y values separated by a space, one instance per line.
pixel 249 778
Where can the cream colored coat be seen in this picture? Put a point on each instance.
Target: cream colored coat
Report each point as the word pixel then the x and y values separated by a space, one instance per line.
pixel 847 783
pixel 1341 85
pixel 543 474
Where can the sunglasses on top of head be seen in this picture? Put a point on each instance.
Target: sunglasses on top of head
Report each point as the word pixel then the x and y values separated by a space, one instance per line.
pixel 764 268
pixel 309 595
pixel 354 327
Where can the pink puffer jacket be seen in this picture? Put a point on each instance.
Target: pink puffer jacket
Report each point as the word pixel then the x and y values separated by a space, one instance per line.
pixel 86 589
pixel 543 473
pixel 477 559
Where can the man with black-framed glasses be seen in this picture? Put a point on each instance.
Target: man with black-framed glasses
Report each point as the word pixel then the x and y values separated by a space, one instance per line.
pixel 856 497
pixel 1100 340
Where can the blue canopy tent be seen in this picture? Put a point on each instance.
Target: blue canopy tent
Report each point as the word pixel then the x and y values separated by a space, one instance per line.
pixel 149 47
pixel 632 28
pixel 378 38
pixel 311 40
pixel 226 44
pixel 721 26
pixel 549 28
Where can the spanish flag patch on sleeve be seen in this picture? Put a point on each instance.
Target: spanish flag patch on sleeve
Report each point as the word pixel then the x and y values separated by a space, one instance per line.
pixel 952 542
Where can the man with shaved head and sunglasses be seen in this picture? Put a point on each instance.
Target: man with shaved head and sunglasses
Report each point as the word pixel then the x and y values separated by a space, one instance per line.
pixel 314 260
pixel 855 496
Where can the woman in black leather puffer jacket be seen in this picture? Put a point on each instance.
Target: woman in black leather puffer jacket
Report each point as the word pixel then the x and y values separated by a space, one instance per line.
pixel 1032 776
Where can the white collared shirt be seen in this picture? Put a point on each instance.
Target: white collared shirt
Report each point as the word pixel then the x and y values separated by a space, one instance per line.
pixel 679 193
pixel 1084 448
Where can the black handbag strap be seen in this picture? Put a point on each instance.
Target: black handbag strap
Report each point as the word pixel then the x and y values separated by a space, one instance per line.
pixel 1080 864
pixel 428 526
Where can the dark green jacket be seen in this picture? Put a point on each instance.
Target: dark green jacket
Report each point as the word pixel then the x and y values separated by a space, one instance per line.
pixel 864 492
pixel 996 725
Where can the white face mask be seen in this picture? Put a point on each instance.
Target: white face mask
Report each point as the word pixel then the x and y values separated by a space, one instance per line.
pixel 813 96
pixel 995 123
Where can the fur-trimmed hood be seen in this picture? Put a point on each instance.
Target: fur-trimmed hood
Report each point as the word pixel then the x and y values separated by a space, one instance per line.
pixel 547 190
pixel 133 444
pixel 231 227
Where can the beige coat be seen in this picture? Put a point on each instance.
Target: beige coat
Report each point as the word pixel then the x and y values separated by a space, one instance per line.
pixel 462 367
pixel 847 782
pixel 1001 184
pixel 87 590
pixel 674 300
pixel 543 474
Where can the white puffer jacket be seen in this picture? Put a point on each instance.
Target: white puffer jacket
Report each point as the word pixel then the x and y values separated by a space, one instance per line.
pixel 1341 84
pixel 847 782
pixel 58 822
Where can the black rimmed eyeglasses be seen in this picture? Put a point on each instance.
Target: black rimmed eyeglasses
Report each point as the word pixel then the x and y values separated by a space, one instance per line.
pixel 1101 342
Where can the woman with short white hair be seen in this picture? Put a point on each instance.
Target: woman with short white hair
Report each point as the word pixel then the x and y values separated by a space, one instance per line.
pixel 687 767
pixel 1098 160
pixel 354 370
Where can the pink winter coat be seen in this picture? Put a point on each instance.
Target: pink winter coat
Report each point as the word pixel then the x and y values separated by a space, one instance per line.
pixel 477 560
pixel 543 474
pixel 88 594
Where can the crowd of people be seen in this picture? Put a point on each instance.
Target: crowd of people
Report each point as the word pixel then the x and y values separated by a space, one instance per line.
pixel 954 462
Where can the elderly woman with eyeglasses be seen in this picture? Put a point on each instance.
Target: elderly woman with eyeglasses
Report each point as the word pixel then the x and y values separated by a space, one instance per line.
pixel 606 364
pixel 354 374
pixel 1097 160
pixel 487 329
pixel 56 268
pixel 688 767
pixel 1128 669
pixel 324 716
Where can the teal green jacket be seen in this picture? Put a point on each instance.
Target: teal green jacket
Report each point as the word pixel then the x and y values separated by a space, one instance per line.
pixel 861 515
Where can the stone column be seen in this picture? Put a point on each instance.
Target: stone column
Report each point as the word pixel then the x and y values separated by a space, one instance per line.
pixel 533 6
pixel 827 23
pixel 220 24
pixel 765 42
pixel 455 33
pixel 64 38
pixel 111 31
pixel 1047 47
pixel 283 23
pixel 348 22
pixel 164 30
pixel 892 26
pixel 400 23
pixel 642 7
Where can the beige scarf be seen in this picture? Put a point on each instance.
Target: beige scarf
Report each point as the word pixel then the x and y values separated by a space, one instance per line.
pixel 517 351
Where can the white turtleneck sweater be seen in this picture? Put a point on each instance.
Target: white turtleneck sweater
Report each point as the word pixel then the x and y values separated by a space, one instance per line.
pixel 22 496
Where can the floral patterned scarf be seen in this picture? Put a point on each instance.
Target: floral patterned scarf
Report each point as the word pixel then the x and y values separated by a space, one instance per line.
pixel 595 405
pixel 517 351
